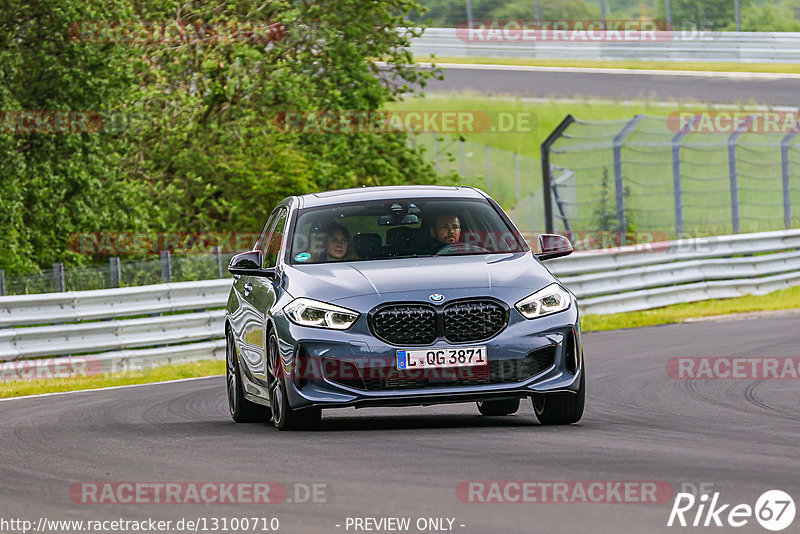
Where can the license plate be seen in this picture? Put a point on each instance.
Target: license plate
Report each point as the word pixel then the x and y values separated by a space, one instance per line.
pixel 437 358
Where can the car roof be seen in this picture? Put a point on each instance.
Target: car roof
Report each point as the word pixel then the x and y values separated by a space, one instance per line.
pixel 390 192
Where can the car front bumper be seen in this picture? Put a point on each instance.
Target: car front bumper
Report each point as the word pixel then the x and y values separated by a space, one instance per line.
pixel 327 368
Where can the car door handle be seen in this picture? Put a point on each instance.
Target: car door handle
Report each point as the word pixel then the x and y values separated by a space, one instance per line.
pixel 248 287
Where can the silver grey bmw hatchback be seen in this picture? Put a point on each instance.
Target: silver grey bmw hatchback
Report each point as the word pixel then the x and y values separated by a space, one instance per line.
pixel 399 296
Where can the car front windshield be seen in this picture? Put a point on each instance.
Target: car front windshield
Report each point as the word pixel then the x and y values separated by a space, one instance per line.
pixel 406 228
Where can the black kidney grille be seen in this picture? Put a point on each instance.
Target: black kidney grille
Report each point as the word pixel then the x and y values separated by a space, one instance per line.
pixel 406 324
pixel 473 320
pixel 497 372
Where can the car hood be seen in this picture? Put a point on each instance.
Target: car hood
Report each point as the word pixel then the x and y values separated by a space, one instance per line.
pixel 334 281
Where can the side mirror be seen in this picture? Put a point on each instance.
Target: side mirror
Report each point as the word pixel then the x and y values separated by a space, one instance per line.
pixel 249 264
pixel 553 246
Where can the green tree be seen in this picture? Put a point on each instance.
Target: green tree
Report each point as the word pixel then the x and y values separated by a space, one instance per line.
pixel 768 18
pixel 211 144
pixel 59 183
pixel 206 152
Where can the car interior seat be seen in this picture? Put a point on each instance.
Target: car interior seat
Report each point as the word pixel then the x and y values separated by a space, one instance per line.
pixel 367 245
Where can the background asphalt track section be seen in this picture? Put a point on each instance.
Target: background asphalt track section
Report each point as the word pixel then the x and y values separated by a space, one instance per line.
pixel 740 435
pixel 548 83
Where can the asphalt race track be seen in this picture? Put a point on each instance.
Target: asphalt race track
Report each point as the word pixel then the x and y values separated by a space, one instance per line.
pixel 741 436
pixel 573 84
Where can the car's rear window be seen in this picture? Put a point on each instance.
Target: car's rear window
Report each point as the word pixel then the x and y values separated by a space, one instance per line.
pixel 384 229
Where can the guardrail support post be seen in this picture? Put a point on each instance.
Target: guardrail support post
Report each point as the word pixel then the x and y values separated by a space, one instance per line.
pixel 114 272
pixel 676 173
pixel 547 178
pixel 786 175
pixel 58 277
pixel 2 283
pixel 733 172
pixel 619 187
pixel 166 266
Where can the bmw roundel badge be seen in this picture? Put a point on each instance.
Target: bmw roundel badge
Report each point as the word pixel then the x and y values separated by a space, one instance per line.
pixel 436 297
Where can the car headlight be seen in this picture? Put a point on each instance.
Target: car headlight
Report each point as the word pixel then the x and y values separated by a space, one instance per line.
pixel 551 299
pixel 308 312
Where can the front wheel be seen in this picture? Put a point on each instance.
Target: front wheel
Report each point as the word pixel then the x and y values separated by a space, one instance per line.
pixel 241 409
pixel 560 408
pixel 284 417
pixel 498 407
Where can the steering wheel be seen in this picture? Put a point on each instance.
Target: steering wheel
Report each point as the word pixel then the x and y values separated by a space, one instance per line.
pixel 460 248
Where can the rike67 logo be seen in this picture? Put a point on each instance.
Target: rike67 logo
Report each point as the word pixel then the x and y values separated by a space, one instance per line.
pixel 774 510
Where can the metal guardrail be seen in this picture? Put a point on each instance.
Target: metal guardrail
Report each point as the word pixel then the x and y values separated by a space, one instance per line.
pixel 690 45
pixel 38 341
pixel 104 331
pixel 53 308
pixel 107 332
pixel 645 276
pixel 675 251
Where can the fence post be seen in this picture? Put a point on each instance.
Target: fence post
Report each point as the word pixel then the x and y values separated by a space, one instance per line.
pixel 436 154
pixel 488 170
pixel 461 163
pixel 516 176
pixel 114 272
pixel 559 203
pixel 676 173
pixel 619 189
pixel 785 174
pixel 733 172
pixel 546 172
pixel 603 13
pixel 218 253
pixel 58 277
pixel 2 283
pixel 166 266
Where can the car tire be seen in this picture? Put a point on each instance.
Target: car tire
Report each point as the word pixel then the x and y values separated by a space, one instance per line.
pixel 498 407
pixel 560 408
pixel 284 417
pixel 241 409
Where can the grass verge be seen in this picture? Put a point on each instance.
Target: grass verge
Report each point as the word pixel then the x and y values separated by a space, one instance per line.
pixel 162 373
pixel 785 299
pixel 789 68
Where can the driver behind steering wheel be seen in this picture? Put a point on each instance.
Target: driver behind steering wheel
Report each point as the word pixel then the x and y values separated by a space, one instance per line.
pixel 446 230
